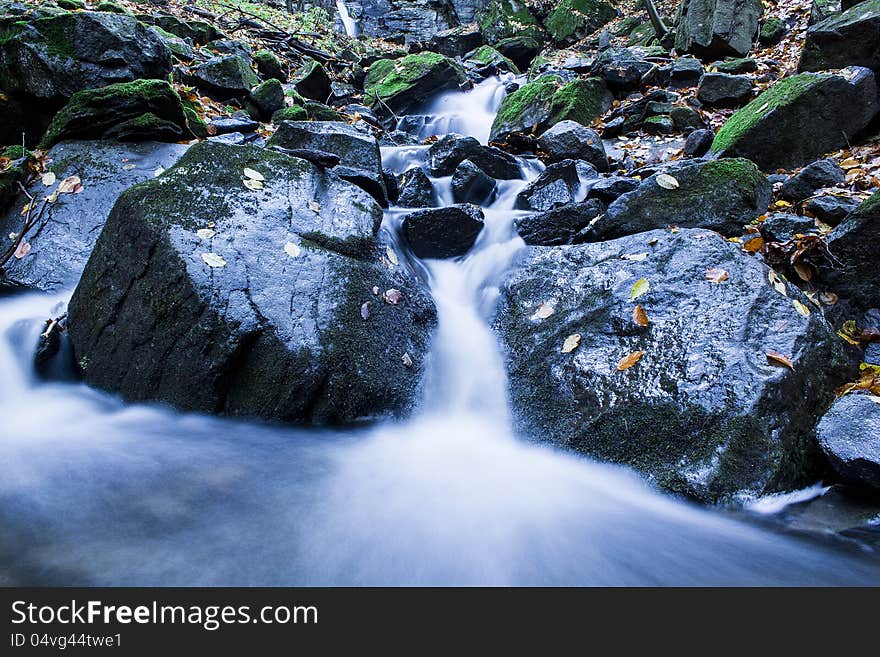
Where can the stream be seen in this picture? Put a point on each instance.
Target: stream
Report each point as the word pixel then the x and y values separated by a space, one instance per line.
pixel 94 491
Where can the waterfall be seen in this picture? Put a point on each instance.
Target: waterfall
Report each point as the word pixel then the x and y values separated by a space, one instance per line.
pixel 351 28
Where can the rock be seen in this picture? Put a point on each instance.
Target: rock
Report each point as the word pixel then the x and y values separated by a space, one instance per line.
pixel 609 189
pixel 410 21
pixel 560 225
pixel 50 59
pixel 782 226
pixel 443 232
pixel 264 317
pixel 686 72
pixel 717 28
pixel 854 245
pixel 237 139
pixel 312 81
pixel 831 209
pixel 226 124
pixel 269 66
pixel 448 152
pixel 59 250
pixel 14 122
pixel 698 143
pixel 559 184
pixel 772 31
pixel 851 38
pixel 199 32
pixel 470 184
pixel 703 413
pixel 736 66
pixel 541 104
pixel 630 115
pixel 721 195
pixel 321 159
pixel 13 170
pixel 508 18
pixel 822 9
pixel 800 118
pixel 143 110
pixel 416 190
pixel 569 140
pixel 360 161
pixel 658 125
pixel 724 90
pixel 230 47
pixel 181 49
pixel 623 69
pixel 295 113
pixel 456 41
pixel 849 434
pixel 403 85
pixel 225 77
pixel 813 177
pixel 320 112
pixel 265 99
pixel 521 50
pixel 686 119
pixel 490 60
pixel 572 20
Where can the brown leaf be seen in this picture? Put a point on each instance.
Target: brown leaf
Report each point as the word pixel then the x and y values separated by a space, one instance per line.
pixel 23 249
pixel 68 185
pixel 716 275
pixel 640 317
pixel 753 245
pixel 628 361
pixel 775 358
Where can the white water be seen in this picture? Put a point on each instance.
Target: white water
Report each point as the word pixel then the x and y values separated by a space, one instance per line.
pixel 350 25
pixel 94 491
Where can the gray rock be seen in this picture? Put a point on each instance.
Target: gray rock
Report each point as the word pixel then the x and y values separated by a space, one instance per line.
pixel 226 124
pixel 559 184
pixel 698 143
pixel 813 177
pixel 782 226
pixel 265 99
pixel 724 90
pixel 717 28
pixel 831 209
pixel 849 434
pixel 686 119
pixel 312 81
pixel 222 78
pixel 851 38
pixel 854 245
pixel 686 72
pixel 443 232
pixel 447 153
pixel 561 225
pixel 609 189
pixel 569 140
pixel 416 190
pixel 470 184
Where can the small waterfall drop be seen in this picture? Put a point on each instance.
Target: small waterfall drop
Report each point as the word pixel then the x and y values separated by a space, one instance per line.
pixel 350 25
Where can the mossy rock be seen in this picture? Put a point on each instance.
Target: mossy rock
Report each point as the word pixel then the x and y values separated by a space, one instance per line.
pixel 181 48
pixel 269 66
pixel 772 31
pixel 403 85
pixel 224 77
pixel 70 5
pixel 508 18
pixel 266 99
pixel 851 38
pixel 488 56
pixel 572 20
pixel 321 112
pixel 295 113
pixel 111 8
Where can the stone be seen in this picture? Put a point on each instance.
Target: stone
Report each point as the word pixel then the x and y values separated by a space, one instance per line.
pixel 449 151
pixel 470 184
pixel 851 38
pixel 698 143
pixel 736 66
pixel 405 84
pixel 830 208
pixel 224 77
pixel 225 124
pixel 265 99
pixel 312 81
pixel 508 18
pixel 853 244
pixel 810 179
pixel 456 41
pixel 572 20
pixel 658 125
pixel 724 90
pixel 686 119
pixel 611 188
pixel 559 225
pixel 490 60
pixel 443 232
pixel 416 190
pixel 772 31
pixel 782 226
pixel 559 184
pixel 849 434
pixel 622 69
pixel 717 28
pixel 269 66
pixel 686 72
pixel 521 50
pixel 569 140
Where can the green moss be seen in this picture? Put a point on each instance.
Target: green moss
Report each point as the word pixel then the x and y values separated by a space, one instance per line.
pixel 487 55
pixel 111 7
pixel 321 112
pixel 15 152
pixel 514 106
pixel 575 19
pixel 506 18
pixel 870 206
pixel 194 122
pixel 387 77
pixel 780 94
pixel 580 100
pixel 71 5
pixel 772 31
pixel 295 113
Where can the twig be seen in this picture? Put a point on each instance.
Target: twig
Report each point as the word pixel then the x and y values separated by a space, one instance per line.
pixel 29 222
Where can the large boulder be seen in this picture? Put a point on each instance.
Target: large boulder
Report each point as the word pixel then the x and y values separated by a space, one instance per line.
pixel 800 118
pixel 142 110
pixel 60 248
pixel 403 85
pixel 721 195
pixel 224 77
pixel 412 20
pixel 443 232
pixel 717 28
pixel 217 295
pixel 52 58
pixel 508 18
pixel 571 140
pixel 849 434
pixel 692 400
pixel 853 246
pixel 851 38
pixel 541 104
pixel 572 20
pixel 359 159
pixel 559 184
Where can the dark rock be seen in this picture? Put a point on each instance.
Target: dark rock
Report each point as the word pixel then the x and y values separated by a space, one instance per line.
pixel 508 18
pixel 572 20
pixel 724 90
pixel 686 119
pixel 447 153
pixel 269 66
pixel 813 177
pixel 222 78
pixel 772 31
pixel 320 112
pixel 736 66
pixel 609 189
pixel 822 9
pixel 559 184
pixel 854 245
pixel 560 225
pixel 698 143
pixel 686 72
pixel 831 209
pixel 849 434
pixel 658 125
pixel 456 41
pixel 265 99
pixel 321 159
pixel 360 161
pixel 199 32
pixel 227 124
pixel 274 327
pixel 703 413
pixel 416 190
pixel 230 47
pixel 851 38
pixel 443 232
pixel 470 184
pixel 622 68
pixel 521 50
pixel 800 118
pixel 489 61
pixel 630 116
pixel 717 28
pixel 569 140
pixel 721 195
pixel 404 85
pixel 410 21
pixel 782 226
pixel 59 250
pixel 312 81
pixel 238 138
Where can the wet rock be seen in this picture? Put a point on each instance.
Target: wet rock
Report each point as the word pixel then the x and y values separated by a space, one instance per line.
pixel 630 116
pixel 658 125
pixel 831 209
pixel 222 78
pixel 360 161
pixel 559 184
pixel 225 124
pixel 854 245
pixel 269 66
pixel 230 47
pixel 609 189
pixel 490 61
pixel 521 50
pixel 781 226
pixel 560 225
pixel 568 140
pixel 698 143
pixel 813 177
pixel 312 81
pixel 470 184
pixel 143 110
pixel 416 190
pixel 736 66
pixel 721 195
pixel 410 21
pixel 443 232
pixel 509 18
pixel 772 31
pixel 849 434
pixel 456 41
pixel 447 153
pixel 724 90
pixel 572 20
pixel 717 28
pixel 403 85
pixel 265 99
pixel 703 413
pixel 851 38
pixel 59 250
pixel 800 118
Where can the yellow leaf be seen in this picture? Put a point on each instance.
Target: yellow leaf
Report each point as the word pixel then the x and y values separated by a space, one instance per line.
pixel 640 317
pixel 253 175
pixel 253 184
pixel 391 255
pixel 639 288
pixel 630 360
pixel 666 181
pixel 753 245
pixel 571 343
pixel 775 358
pixel 68 185
pixel 801 308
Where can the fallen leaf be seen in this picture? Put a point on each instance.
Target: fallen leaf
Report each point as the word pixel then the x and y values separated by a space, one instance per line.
pixel 213 260
pixel 52 197
pixel 68 185
pixel 23 249
pixel 828 298
pixel 392 296
pixel 48 179
pixel 205 233
pixel 571 343
pixel 716 275
pixel 666 181
pixel 777 282
pixel 391 255
pixel 803 271
pixel 407 360
pixel 637 257
pixel 314 206
pixel 639 288
pixel 753 245
pixel 628 361
pixel 292 249
pixel 543 312
pixel 775 358
pixel 640 317
pixel 801 308
pixel 365 310
pixel 253 184
pixel 376 290
pixel 128 167
pixel 253 175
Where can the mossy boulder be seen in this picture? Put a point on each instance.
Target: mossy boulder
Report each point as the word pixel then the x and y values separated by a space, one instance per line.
pixel 199 32
pixel 265 99
pixel 403 85
pixel 70 5
pixel 540 104
pixel 702 413
pixel 851 38
pixel 180 48
pixel 717 28
pixel 294 113
pixel 572 20
pixel 772 31
pixel 853 244
pixel 269 66
pixel 521 50
pixel 800 119
pixel 488 56
pixel 509 18
pixel 263 313
pixel 111 7
pixel 321 112
pixel 312 81
pixel 224 77
pixel 143 110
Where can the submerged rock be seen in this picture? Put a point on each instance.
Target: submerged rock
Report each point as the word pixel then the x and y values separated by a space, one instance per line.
pixel 219 297
pixel 702 412
pixel 849 434
pixel 443 232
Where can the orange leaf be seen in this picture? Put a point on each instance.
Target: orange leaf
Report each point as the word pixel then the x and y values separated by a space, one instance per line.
pixel 775 358
pixel 753 245
pixel 640 317
pixel 628 361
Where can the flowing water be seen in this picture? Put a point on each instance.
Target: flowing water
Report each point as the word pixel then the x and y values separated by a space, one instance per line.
pixel 94 491
pixel 348 23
